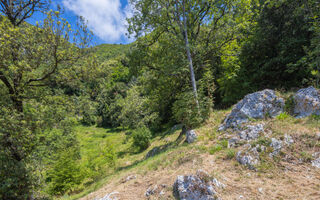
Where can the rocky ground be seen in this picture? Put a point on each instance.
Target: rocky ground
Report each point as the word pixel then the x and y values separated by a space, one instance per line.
pixel 267 147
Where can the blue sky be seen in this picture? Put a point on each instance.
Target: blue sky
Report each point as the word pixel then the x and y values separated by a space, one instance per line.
pixel 106 18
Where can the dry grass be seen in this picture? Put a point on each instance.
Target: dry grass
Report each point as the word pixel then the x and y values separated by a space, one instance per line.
pixel 289 176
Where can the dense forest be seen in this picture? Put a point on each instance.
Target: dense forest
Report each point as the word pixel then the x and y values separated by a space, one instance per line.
pixel 188 58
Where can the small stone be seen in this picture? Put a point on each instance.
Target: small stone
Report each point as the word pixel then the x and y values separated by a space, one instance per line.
pixel 247 160
pixel 316 163
pixel 288 140
pixel 316 155
pixel 260 190
pixel 108 196
pixel 130 178
pixel 318 136
pixel 218 184
pixel 276 145
pixel 191 136
pixel 151 190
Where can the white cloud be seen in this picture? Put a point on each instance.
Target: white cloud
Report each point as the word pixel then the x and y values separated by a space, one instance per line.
pixel 106 18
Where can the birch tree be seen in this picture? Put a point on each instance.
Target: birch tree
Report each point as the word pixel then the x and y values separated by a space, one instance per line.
pixel 181 18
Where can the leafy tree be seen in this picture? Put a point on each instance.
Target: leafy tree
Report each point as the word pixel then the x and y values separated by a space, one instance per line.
pixel 32 54
pixel 17 11
pixel 270 57
pixel 183 19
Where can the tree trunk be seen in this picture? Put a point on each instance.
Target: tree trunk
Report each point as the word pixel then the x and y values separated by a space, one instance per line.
pixel 187 46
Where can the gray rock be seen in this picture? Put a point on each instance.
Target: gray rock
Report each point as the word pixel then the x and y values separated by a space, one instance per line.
pixel 245 158
pixel 258 105
pixel 318 136
pixel 276 145
pixel 108 196
pixel 316 163
pixel 288 140
pixel 151 190
pixel 316 155
pixel 307 102
pixel 130 178
pixel 194 187
pixel 191 136
pixel 233 142
pixel 218 184
pixel 251 132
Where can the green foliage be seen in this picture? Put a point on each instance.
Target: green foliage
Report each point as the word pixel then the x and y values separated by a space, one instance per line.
pixel 271 54
pixel 289 105
pixel 65 174
pixel 109 104
pixel 185 110
pixel 135 110
pixel 230 154
pixel 216 148
pixel 283 116
pixel 141 138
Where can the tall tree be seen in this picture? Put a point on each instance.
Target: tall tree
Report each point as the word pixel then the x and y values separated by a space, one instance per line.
pixel 183 19
pixel 17 11
pixel 31 54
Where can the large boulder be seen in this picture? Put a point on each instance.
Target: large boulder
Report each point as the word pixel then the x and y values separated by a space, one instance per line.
pixel 193 187
pixel 307 102
pixel 258 105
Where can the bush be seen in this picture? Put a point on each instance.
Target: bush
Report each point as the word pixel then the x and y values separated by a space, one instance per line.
pixel 136 110
pixel 185 110
pixel 141 138
pixel 66 174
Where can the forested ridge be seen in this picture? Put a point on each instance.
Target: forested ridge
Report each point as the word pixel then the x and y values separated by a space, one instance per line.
pixel 72 114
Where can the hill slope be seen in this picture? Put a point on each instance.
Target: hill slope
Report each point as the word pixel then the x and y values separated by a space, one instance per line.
pixel 289 175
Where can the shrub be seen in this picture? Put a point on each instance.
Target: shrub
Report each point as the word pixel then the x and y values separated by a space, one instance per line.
pixel 186 112
pixel 141 138
pixel 136 110
pixel 65 174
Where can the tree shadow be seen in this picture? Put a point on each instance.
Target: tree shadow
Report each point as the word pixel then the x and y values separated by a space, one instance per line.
pixel 171 130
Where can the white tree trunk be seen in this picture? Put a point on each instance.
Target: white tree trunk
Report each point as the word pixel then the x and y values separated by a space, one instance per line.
pixel 187 46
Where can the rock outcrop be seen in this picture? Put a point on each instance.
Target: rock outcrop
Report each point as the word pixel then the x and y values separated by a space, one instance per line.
pixel 258 105
pixel 306 102
pixel 249 157
pixel 199 186
pixel 251 132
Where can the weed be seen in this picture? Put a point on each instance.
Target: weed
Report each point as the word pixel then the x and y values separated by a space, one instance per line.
pixel 283 116
pixel 215 148
pixel 230 154
pixel 307 157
